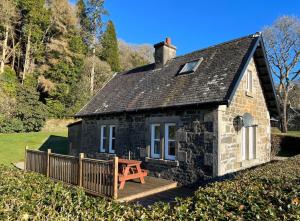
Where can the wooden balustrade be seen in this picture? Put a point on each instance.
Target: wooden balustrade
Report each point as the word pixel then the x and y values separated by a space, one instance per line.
pixel 97 177
pixel 64 168
pixel 36 161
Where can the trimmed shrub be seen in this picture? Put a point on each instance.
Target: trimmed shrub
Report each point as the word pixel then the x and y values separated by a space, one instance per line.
pixel 30 110
pixel 8 81
pixel 269 192
pixel 284 145
pixel 11 125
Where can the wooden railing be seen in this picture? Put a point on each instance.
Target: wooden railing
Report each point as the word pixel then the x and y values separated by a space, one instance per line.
pixel 64 168
pixel 97 177
pixel 36 161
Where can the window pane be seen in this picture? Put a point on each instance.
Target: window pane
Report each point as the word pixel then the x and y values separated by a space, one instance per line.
pixel 113 143
pixel 249 80
pixel 104 131
pixel 113 131
pixel 172 131
pixel 156 147
pixel 104 143
pixel 190 66
pixel 157 132
pixel 172 148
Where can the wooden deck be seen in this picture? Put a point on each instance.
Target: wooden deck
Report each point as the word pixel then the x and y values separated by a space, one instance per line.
pixel 168 196
pixel 134 190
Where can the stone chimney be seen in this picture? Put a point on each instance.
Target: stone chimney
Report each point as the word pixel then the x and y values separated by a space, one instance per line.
pixel 164 51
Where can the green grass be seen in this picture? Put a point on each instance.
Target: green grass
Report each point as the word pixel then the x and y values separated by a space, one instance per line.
pixel 289 133
pixel 12 146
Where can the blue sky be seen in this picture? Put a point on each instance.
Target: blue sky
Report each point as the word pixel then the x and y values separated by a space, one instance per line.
pixel 194 24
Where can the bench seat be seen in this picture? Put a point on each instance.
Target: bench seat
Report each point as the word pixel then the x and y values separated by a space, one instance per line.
pixel 132 176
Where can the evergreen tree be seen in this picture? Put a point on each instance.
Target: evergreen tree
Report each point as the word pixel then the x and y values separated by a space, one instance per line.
pixel 30 111
pixel 84 21
pixel 35 21
pixel 110 50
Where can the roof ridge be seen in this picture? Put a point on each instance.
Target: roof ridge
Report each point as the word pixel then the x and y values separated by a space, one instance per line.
pixel 219 44
pixel 201 49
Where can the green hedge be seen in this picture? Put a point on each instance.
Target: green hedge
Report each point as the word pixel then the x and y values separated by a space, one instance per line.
pixel 285 145
pixel 269 192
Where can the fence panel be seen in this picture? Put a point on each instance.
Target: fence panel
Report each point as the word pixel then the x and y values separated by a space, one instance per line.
pixel 98 176
pixel 36 161
pixel 64 168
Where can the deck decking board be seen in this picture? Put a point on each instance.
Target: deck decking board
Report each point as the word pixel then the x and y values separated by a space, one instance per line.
pixel 134 189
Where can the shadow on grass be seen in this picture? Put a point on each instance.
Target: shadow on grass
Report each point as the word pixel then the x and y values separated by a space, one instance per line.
pixel 57 144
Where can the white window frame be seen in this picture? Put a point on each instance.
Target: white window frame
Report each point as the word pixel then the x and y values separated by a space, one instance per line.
pixel 167 140
pixel 244 143
pixel 111 138
pixel 249 81
pixel 249 143
pixel 154 155
pixel 102 148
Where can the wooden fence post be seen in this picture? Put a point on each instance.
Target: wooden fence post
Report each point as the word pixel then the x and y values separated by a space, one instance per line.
pixel 115 174
pixel 81 156
pixel 25 160
pixel 48 162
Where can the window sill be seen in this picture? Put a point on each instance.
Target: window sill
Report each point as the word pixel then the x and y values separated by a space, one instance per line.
pixel 105 154
pixel 249 94
pixel 162 162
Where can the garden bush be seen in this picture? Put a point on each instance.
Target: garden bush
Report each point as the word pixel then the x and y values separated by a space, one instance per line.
pixel 284 145
pixel 268 192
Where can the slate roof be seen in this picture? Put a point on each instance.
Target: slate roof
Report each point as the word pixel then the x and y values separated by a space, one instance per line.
pixel 146 87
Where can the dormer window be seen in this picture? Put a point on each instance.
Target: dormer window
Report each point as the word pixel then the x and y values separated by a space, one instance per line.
pixel 191 66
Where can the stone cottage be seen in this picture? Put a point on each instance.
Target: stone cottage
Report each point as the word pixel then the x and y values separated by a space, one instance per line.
pixel 188 118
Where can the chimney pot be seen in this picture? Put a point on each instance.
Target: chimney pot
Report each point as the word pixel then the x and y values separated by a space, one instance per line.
pixel 168 41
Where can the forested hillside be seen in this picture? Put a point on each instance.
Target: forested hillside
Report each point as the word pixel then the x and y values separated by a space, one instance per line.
pixel 54 56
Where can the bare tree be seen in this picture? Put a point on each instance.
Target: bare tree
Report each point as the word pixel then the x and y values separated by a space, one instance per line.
pixel 282 41
pixel 8 15
pixel 95 10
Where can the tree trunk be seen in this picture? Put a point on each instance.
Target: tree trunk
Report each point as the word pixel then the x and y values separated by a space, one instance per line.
pixel 14 51
pixel 27 57
pixel 284 126
pixel 93 66
pixel 4 48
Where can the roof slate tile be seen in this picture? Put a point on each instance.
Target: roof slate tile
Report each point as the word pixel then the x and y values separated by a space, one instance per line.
pixel 146 87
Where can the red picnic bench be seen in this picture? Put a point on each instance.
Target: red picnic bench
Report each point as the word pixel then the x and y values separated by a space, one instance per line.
pixel 129 170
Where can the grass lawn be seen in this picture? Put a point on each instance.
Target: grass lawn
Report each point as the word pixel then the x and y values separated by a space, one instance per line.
pixel 289 133
pixel 12 145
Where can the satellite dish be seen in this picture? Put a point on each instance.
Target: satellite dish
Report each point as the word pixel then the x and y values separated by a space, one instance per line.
pixel 248 120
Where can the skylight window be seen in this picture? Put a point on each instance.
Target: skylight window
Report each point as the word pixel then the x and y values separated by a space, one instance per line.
pixel 191 66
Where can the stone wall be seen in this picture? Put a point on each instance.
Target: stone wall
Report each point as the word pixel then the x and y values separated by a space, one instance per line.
pixel 207 141
pixel 230 139
pixel 195 136
pixel 74 138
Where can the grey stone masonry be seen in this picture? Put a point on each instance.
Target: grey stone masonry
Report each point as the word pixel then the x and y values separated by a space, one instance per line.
pixel 195 141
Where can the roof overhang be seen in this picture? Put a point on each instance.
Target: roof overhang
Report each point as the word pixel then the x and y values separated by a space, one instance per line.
pixel 258 52
pixel 166 108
